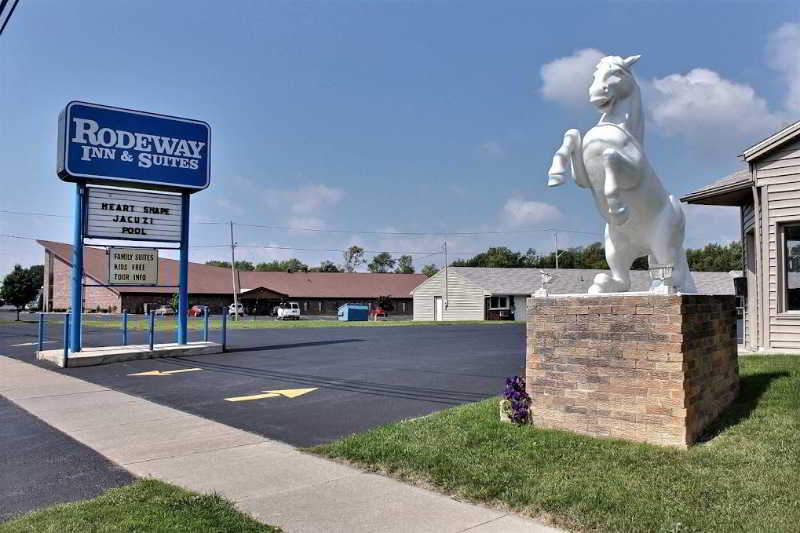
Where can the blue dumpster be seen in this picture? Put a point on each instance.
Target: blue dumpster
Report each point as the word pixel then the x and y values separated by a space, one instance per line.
pixel 352 312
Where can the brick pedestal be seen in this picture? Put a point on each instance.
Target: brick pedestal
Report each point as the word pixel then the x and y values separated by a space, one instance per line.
pixel 639 367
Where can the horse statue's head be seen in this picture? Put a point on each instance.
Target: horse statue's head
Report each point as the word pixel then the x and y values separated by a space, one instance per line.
pixel 614 83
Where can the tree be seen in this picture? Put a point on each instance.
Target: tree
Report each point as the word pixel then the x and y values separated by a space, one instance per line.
pixel 295 265
pixel 353 258
pixel 711 258
pixel 328 266
pixel 272 266
pixel 215 263
pixel 716 258
pixel 246 266
pixel 499 257
pixel 381 263
pixel 404 265
pixel 290 265
pixel 430 270
pixel 20 287
pixel 174 303
pixel 37 272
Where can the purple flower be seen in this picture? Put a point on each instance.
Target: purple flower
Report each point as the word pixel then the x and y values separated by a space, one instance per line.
pixel 516 395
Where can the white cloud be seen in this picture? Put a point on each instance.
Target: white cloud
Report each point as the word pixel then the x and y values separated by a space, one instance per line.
pixel 566 80
pixel 518 212
pixel 311 198
pixel 457 190
pixel 304 200
pixel 707 108
pixel 229 206
pixel 492 148
pixel 712 112
pixel 783 54
pixel 306 222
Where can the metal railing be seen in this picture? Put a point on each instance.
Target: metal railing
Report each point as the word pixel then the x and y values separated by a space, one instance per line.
pixel 42 329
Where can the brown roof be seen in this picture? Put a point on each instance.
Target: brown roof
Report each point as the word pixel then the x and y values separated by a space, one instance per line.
pixel 204 279
pixel 733 189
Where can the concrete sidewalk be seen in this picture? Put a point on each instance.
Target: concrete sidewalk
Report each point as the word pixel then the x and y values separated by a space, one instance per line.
pixel 270 480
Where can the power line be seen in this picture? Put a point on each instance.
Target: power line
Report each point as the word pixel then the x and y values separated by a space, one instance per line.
pixel 10 12
pixel 266 246
pixel 35 214
pixel 360 232
pixel 417 233
pixel 291 248
pixel 17 237
pixel 26 213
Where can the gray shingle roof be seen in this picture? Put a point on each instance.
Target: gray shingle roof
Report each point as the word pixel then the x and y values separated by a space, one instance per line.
pixel 741 179
pixel 576 280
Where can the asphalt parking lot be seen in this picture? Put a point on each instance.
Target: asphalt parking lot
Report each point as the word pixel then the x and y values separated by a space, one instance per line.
pixel 43 466
pixel 313 385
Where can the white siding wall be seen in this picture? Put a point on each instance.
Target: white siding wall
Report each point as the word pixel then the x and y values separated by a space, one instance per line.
pixel 465 299
pixel 748 217
pixel 778 175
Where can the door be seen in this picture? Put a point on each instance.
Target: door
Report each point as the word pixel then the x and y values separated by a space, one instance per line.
pixel 438 308
pixel 751 311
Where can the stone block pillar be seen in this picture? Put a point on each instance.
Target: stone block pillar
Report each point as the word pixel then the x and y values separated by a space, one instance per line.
pixel 640 367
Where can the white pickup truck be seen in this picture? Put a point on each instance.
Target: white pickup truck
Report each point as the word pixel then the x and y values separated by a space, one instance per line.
pixel 289 311
pixel 236 309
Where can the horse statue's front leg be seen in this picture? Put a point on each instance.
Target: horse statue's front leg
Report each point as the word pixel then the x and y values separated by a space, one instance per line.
pixel 570 153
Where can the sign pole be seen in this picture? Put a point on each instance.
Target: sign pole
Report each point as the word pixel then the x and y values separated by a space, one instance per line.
pixel 183 290
pixel 77 268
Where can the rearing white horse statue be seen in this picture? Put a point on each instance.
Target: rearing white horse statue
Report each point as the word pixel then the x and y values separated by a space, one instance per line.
pixel 642 218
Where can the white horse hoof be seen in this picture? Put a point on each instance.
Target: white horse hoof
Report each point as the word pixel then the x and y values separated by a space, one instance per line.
pixel 603 284
pixel 554 180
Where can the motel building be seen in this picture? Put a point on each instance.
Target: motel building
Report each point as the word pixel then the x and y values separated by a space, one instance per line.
pixel 318 293
pixel 473 293
pixel 767 193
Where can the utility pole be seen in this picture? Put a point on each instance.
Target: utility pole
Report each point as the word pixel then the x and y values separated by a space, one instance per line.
pixel 233 278
pixel 555 239
pixel 557 253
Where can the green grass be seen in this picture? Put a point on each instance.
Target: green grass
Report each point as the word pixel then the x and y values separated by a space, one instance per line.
pixel 150 506
pixel 745 478
pixel 168 324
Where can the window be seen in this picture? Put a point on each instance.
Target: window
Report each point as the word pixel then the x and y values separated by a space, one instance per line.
pixel 791 267
pixel 498 302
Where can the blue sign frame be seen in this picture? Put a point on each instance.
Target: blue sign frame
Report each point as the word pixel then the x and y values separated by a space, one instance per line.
pixel 134 149
pixel 127 148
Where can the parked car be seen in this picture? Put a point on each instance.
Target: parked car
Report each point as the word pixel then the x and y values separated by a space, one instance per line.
pixel 289 311
pixel 197 310
pixel 377 313
pixel 237 309
pixel 164 310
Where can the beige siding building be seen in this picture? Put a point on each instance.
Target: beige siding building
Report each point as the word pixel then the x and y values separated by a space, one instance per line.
pixel 768 195
pixel 468 293
pixel 448 295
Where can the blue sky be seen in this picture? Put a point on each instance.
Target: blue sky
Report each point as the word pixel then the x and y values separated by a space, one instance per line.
pixel 391 116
